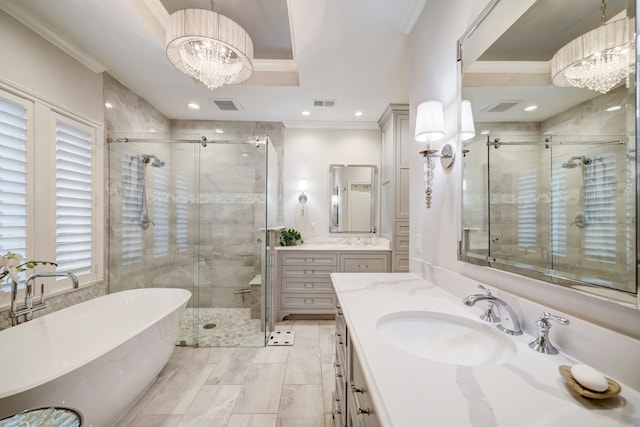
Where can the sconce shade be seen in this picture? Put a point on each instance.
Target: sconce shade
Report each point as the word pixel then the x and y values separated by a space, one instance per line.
pixel 429 121
pixel 467 127
pixel 302 185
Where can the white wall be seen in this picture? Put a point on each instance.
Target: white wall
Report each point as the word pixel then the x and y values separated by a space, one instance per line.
pixel 307 155
pixel 434 232
pixel 32 63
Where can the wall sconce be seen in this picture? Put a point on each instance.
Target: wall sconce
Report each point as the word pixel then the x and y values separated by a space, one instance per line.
pixel 467 127
pixel 429 128
pixel 302 198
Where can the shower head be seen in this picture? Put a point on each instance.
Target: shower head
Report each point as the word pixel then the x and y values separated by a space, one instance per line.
pixel 151 158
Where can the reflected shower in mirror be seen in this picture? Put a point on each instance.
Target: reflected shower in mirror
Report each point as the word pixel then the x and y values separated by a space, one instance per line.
pixel 352 199
pixel 549 180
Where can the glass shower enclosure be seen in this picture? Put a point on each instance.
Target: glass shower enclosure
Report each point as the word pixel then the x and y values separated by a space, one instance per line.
pixel 185 213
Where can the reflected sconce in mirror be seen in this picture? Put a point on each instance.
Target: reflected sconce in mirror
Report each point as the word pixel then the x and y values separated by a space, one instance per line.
pixel 429 128
pixel 302 198
pixel 467 127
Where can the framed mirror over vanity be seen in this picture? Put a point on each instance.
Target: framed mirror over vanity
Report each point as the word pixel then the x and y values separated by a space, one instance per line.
pixel 353 198
pixel 549 181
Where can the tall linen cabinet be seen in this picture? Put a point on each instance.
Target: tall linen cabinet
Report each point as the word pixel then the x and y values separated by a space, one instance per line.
pixel 394 179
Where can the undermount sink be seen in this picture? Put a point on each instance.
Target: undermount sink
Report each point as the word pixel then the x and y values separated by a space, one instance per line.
pixel 446 338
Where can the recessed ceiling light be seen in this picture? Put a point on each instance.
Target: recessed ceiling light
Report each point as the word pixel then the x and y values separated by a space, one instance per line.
pixel 108 105
pixel 358 114
pixel 306 113
pixel 614 108
pixel 193 106
pixel 219 130
pixel 152 130
pixel 531 108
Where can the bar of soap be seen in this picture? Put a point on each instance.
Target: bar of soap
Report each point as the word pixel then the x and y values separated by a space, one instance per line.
pixel 589 378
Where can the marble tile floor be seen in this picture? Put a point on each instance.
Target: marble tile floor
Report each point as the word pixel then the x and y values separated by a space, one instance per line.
pixel 278 386
pixel 233 328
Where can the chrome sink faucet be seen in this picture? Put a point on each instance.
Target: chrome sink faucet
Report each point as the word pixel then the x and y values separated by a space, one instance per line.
pixel 506 317
pixel 542 344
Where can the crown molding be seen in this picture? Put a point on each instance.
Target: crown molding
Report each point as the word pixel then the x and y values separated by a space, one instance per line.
pixel 309 124
pixel 19 12
pixel 411 14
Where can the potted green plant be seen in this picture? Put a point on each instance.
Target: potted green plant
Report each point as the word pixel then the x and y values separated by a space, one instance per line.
pixel 290 237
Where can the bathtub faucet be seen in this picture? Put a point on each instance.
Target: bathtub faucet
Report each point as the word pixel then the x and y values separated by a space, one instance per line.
pixel 29 306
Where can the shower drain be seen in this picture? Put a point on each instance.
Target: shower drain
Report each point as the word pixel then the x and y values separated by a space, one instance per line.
pixel 209 326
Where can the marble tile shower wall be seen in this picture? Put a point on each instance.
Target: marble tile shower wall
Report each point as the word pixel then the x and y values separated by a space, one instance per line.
pixel 510 165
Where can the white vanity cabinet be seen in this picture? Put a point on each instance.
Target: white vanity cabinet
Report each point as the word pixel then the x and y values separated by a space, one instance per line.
pixel 352 405
pixel 304 285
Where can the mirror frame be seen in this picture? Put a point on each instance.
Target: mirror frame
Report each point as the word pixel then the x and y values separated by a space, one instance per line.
pixel 614 296
pixel 374 189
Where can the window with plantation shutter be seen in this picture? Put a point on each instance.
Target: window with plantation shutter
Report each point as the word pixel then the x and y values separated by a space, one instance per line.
pixel 131 233
pixel 14 129
pixel 558 210
pixel 160 212
pixel 600 191
pixel 182 209
pixel 527 210
pixel 74 197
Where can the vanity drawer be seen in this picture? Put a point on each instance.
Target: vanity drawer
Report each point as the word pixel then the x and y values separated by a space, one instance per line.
pixel 308 272
pixel 364 263
pixel 314 259
pixel 402 243
pixel 306 284
pixel 309 301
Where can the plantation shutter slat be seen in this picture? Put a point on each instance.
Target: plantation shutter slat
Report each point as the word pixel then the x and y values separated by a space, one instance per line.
pixel 74 198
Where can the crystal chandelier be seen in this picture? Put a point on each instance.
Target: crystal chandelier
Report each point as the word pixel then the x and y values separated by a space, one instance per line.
pixel 209 47
pixel 598 60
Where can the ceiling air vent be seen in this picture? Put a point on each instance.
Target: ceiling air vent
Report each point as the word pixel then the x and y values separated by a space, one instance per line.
pixel 500 107
pixel 225 104
pixel 324 102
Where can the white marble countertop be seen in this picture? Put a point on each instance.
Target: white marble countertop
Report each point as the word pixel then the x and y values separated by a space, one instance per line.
pixel 334 248
pixel 410 391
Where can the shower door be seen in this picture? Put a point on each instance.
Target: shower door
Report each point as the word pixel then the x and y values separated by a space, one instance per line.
pixel 193 216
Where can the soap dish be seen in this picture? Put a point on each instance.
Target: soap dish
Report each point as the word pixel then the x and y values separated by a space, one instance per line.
pixel 613 390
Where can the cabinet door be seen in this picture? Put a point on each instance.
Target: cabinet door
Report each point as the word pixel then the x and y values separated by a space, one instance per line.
pixel 364 263
pixel 361 410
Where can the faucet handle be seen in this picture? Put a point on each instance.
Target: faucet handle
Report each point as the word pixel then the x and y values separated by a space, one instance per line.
pixel 486 290
pixel 542 344
pixel 546 316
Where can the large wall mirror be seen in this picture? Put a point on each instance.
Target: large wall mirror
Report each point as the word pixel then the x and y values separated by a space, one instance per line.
pixel 352 199
pixel 549 179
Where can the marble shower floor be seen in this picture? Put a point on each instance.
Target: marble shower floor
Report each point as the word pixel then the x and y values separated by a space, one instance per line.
pixel 233 328
pixel 245 387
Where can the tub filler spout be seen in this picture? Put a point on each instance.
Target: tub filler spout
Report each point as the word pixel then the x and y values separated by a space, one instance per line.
pixel 29 306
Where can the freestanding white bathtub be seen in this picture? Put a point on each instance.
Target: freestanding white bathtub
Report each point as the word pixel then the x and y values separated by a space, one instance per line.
pixel 96 357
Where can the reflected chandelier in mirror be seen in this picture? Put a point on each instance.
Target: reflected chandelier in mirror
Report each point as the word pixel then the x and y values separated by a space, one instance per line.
pixel 549 182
